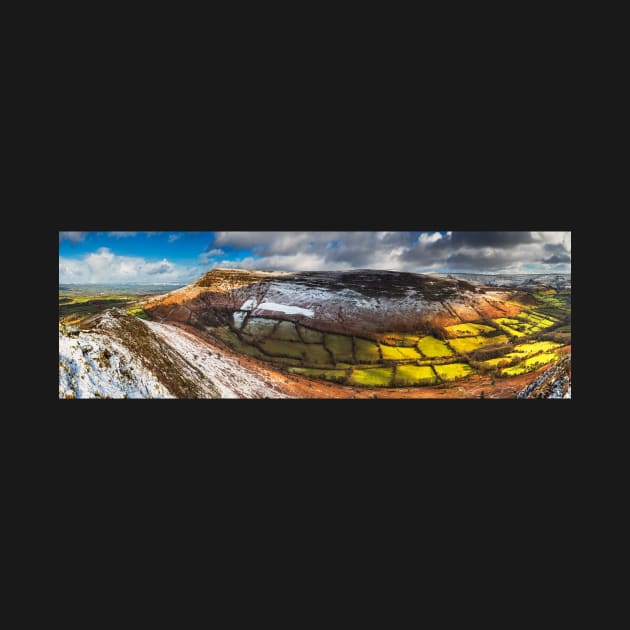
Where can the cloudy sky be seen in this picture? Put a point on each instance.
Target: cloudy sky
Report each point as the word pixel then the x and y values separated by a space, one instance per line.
pixel 181 257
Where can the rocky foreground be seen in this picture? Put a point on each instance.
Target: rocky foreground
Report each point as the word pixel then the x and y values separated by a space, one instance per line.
pixel 554 383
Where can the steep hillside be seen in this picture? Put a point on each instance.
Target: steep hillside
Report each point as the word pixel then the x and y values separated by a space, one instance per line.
pixel 116 355
pixel 345 302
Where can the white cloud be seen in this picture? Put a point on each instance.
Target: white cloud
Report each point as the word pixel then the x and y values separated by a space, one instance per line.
pixel 211 256
pixel 174 237
pixel 426 238
pixel 121 234
pixel 103 266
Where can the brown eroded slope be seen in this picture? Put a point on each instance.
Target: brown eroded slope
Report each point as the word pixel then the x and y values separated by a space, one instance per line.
pixel 348 302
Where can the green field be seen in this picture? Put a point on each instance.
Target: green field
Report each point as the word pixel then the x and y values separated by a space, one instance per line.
pixel 366 351
pixel 453 371
pixel 337 376
pixel 309 335
pixel 510 326
pixel 393 353
pixel 413 375
pixel 468 330
pixel 461 345
pixel 433 348
pixel 494 363
pixel 285 331
pixel 399 339
pixel 371 377
pixel 79 301
pixel 259 327
pixel 340 346
pixel 530 364
pixel 138 312
pixel 317 355
pixel 292 349
pixel 536 346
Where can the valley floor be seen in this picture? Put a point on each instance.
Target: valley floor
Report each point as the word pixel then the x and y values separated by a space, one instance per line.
pixel 191 343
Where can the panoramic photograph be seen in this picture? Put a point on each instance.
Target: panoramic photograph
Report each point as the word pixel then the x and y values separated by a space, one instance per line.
pixel 340 315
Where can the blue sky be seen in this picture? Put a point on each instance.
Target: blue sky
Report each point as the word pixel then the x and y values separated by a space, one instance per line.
pixel 182 257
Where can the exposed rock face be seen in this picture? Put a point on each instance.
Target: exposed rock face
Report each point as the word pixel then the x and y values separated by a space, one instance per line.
pixel 554 383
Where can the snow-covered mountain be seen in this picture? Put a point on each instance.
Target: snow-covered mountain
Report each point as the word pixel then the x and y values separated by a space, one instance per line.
pixel 559 281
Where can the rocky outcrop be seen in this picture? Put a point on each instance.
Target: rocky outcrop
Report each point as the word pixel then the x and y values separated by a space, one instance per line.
pixel 554 383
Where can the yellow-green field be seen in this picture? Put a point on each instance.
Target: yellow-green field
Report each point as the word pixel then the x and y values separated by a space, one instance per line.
pixel 461 345
pixel 340 346
pixel 493 363
pixel 283 348
pixel 467 330
pixel 433 348
pixel 138 312
pixel 371 377
pixel 407 375
pixel 366 351
pixel 317 355
pixel 337 376
pixel 285 331
pixel 309 335
pixel 509 325
pixel 530 364
pixel 399 339
pixel 453 371
pixel 536 346
pixel 393 353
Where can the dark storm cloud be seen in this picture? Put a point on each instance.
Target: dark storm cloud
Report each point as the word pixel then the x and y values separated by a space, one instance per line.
pixel 516 251
pixel 490 239
pixel 559 254
pixel 556 248
pixel 555 259
pixel 495 260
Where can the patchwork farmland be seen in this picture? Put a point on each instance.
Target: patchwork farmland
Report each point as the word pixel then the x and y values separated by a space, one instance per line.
pixel 530 338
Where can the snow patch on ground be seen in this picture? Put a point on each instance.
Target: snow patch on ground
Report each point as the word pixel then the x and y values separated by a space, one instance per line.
pixel 92 365
pixel 248 305
pixel 239 318
pixel 283 308
pixel 231 378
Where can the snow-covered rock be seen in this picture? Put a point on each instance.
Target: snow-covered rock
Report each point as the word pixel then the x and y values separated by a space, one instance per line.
pixel 553 383
pixel 93 365
pixel 120 356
